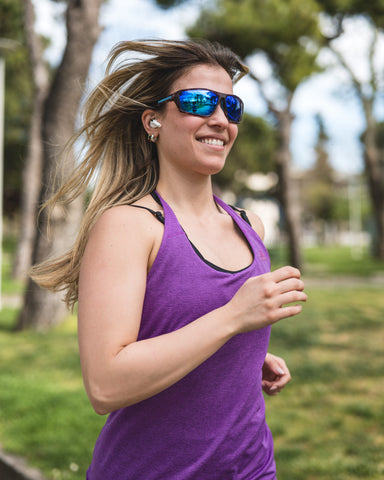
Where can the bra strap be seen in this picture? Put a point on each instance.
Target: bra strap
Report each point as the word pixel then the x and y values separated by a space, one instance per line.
pixel 243 214
pixel 157 214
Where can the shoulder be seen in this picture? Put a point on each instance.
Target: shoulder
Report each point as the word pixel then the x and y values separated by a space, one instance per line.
pixel 129 218
pixel 256 223
pixel 123 232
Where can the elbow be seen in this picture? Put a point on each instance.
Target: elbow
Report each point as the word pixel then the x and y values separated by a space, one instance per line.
pixel 100 400
pixel 99 407
pixel 105 399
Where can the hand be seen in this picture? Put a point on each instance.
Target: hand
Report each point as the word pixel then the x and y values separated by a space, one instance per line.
pixel 265 299
pixel 275 374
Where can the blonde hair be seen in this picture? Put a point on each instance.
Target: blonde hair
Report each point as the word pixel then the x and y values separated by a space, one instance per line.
pixel 118 163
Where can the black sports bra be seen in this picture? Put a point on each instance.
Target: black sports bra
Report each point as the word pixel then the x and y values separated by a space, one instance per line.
pixel 161 218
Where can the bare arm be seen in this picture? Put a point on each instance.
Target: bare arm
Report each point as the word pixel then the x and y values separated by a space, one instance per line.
pixel 118 370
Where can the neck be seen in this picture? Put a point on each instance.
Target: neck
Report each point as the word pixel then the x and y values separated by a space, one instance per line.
pixel 190 197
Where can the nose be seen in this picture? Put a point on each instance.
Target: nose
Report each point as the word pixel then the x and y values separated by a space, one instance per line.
pixel 219 116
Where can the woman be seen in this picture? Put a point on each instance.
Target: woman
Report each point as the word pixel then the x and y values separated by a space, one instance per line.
pixel 174 287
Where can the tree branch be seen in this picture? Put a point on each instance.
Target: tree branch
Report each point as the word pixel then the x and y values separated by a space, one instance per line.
pixel 356 83
pixel 269 102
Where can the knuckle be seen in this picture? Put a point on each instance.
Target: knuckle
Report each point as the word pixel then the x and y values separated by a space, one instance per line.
pixel 269 290
pixel 269 305
pixel 272 316
pixel 297 296
pixel 292 271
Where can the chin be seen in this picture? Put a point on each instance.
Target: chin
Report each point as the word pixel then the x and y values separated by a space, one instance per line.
pixel 213 167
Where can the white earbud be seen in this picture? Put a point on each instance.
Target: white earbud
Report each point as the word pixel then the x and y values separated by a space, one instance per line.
pixel 154 123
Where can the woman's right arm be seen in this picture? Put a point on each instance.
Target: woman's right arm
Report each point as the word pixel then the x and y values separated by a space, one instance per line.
pixel 118 370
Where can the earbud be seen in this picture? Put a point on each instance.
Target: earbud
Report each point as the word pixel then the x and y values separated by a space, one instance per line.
pixel 154 123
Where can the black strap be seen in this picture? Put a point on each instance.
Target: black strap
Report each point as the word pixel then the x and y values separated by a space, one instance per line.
pixel 243 214
pixel 155 196
pixel 161 218
pixel 157 214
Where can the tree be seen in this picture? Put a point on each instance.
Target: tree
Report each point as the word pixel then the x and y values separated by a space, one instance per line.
pixel 367 91
pixel 18 101
pixel 319 195
pixel 32 171
pixel 252 152
pixel 281 33
pixel 42 308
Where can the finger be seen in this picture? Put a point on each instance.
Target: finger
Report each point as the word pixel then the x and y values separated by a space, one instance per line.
pixel 292 297
pixel 284 273
pixel 284 312
pixel 291 284
pixel 271 389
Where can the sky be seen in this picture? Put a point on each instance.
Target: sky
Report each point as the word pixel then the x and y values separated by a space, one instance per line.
pixel 326 94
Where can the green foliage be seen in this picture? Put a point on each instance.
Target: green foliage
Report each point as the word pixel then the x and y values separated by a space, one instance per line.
pixel 284 30
pixel 18 101
pixel 252 152
pixel 319 190
pixel 374 9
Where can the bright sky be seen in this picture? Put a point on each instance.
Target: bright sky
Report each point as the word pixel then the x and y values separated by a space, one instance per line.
pixel 326 94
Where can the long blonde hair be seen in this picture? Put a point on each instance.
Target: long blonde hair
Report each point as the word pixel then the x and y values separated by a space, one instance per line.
pixel 118 163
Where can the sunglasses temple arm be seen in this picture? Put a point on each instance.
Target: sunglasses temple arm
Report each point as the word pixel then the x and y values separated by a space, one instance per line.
pixel 165 99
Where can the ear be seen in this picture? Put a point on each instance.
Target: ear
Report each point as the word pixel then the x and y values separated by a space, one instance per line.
pixel 146 118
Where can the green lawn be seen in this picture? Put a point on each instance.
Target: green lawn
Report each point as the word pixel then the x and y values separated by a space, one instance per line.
pixel 328 424
pixel 333 260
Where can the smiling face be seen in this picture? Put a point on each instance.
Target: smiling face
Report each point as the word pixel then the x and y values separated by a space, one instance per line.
pixel 192 144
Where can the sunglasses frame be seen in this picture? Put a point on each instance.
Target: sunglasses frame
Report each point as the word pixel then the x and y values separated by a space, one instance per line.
pixel 175 97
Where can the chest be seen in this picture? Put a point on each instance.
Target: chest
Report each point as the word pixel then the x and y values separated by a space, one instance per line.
pixel 220 241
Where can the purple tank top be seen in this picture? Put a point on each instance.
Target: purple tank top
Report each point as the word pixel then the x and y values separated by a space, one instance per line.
pixel 210 425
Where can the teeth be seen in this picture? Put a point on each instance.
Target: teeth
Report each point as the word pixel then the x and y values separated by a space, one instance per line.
pixel 212 141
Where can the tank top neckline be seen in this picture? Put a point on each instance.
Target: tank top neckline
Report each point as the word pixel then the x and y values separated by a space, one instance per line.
pixel 239 221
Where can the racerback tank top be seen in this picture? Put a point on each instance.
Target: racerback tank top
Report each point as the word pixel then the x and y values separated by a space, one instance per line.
pixel 210 425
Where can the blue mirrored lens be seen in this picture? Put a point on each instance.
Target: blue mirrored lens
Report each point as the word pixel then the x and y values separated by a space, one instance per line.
pixel 234 108
pixel 199 102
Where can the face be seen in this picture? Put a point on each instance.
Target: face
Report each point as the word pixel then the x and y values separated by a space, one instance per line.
pixel 194 144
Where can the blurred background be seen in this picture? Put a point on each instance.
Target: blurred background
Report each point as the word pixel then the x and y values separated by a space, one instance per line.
pixel 309 160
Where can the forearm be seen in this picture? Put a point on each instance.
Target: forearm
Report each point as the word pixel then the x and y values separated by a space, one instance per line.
pixel 146 367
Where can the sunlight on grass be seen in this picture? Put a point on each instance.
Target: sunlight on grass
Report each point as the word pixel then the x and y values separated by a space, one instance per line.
pixel 329 422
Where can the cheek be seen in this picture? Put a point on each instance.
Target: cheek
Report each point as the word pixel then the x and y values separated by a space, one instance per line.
pixel 233 131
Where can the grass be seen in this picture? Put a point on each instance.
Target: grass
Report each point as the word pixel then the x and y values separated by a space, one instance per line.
pixel 44 412
pixel 327 424
pixel 332 260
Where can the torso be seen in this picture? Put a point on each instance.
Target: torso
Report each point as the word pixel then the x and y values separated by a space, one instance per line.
pixel 211 423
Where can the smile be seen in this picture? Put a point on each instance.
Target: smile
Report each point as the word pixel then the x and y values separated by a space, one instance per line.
pixel 212 141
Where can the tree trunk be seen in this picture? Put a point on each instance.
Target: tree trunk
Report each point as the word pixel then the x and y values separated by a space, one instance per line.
pixel 34 158
pixel 375 175
pixel 42 308
pixel 287 190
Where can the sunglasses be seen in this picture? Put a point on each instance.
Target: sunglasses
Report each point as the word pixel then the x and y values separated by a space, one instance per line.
pixel 203 102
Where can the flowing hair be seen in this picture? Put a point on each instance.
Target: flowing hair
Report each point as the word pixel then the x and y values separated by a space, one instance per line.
pixel 117 164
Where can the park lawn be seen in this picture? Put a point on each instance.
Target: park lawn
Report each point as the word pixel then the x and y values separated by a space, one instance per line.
pixel 327 424
pixel 339 261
